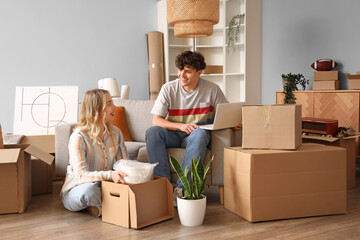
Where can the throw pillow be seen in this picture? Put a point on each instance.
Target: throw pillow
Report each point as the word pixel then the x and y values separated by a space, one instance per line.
pixel 120 122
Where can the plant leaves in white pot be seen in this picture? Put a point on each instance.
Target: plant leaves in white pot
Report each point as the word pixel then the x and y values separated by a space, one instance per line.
pixel 192 205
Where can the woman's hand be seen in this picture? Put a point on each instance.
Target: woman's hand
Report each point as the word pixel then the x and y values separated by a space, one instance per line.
pixel 118 176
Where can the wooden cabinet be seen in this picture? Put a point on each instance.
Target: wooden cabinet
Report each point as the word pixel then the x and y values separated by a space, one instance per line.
pixel 343 105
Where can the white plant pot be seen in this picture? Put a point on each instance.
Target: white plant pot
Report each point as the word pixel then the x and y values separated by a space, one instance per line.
pixel 191 212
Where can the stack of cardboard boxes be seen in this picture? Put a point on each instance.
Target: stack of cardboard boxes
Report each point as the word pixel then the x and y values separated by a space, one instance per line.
pixel 354 80
pixel 262 181
pixel 326 80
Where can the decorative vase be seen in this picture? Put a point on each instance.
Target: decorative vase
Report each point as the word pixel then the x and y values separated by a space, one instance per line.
pixel 191 212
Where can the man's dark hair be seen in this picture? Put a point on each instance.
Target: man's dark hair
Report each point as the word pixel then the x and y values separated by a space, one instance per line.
pixel 190 59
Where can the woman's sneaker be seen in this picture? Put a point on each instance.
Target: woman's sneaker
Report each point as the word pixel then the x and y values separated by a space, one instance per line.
pixel 94 211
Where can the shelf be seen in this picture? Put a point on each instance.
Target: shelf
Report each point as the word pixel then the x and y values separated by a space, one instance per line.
pixel 209 46
pixel 241 26
pixel 237 44
pixel 180 46
pixel 234 74
pixel 214 48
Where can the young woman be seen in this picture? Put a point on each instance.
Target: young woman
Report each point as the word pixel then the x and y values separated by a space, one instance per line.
pixel 94 146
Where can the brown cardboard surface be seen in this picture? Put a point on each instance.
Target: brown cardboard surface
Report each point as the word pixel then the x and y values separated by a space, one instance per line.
pixel 213 69
pixel 326 85
pixel 262 185
pixel 271 126
pixel 326 75
pixel 15 176
pixel 137 205
pixel 354 83
pixel 42 173
pixel 41 177
pixel 44 142
pixel 352 77
pixel 350 145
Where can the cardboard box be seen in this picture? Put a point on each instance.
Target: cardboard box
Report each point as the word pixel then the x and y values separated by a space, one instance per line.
pixel 137 205
pixel 271 126
pixel 354 83
pixel 326 75
pixel 326 85
pixel 42 174
pixel 353 77
pixel 349 144
pixel 15 176
pixel 262 185
pixel 213 69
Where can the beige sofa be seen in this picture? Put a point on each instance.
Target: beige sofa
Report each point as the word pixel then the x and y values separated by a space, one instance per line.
pixel 139 118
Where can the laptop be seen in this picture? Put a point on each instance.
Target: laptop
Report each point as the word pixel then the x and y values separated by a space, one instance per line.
pixel 227 115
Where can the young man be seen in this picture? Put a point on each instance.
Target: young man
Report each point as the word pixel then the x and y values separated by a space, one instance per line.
pixel 182 105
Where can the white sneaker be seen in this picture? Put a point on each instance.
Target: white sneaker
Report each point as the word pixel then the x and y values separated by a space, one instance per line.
pixel 94 211
pixel 177 193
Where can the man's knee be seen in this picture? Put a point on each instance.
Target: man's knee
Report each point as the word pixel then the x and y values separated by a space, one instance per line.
pixel 154 131
pixel 200 134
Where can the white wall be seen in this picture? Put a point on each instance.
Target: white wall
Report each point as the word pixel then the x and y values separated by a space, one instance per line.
pixel 295 33
pixel 73 42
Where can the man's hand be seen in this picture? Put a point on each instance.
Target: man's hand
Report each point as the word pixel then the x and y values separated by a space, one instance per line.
pixel 118 176
pixel 238 127
pixel 188 127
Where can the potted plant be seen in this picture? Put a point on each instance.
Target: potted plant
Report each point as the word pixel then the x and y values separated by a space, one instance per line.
pixel 192 205
pixel 290 82
pixel 234 30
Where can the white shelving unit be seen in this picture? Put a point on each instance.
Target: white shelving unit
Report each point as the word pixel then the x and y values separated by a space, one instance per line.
pixel 239 80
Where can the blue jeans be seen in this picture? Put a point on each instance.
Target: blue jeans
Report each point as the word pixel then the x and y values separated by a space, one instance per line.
pixel 82 196
pixel 158 139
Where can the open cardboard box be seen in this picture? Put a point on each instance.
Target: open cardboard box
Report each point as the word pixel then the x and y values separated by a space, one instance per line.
pixel 15 176
pixel 349 143
pixel 271 126
pixel 42 173
pixel 262 185
pixel 137 205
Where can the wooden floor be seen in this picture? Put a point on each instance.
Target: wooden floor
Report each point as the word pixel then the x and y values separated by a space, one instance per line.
pixel 46 218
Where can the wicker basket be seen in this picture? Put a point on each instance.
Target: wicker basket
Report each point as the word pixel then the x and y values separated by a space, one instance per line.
pixel 193 18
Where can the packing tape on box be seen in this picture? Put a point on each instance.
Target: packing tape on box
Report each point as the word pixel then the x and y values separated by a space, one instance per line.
pixel 267 125
pixel 267 113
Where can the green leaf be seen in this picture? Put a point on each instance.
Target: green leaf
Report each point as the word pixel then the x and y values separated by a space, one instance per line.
pixel 197 180
pixel 176 166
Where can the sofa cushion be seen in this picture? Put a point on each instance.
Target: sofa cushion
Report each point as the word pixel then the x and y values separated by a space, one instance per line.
pixel 138 116
pixel 133 148
pixel 120 122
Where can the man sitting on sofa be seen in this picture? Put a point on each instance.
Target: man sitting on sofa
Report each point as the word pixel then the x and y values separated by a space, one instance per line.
pixel 182 105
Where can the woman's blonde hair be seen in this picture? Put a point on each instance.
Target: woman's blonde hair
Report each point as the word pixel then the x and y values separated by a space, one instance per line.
pixel 92 113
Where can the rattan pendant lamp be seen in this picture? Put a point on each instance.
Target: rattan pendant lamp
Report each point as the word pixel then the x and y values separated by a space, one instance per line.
pixel 193 18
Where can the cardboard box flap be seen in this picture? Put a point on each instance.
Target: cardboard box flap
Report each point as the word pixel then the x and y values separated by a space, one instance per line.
pixel 349 76
pixel 326 139
pixel 40 154
pixel 44 142
pixel 9 155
